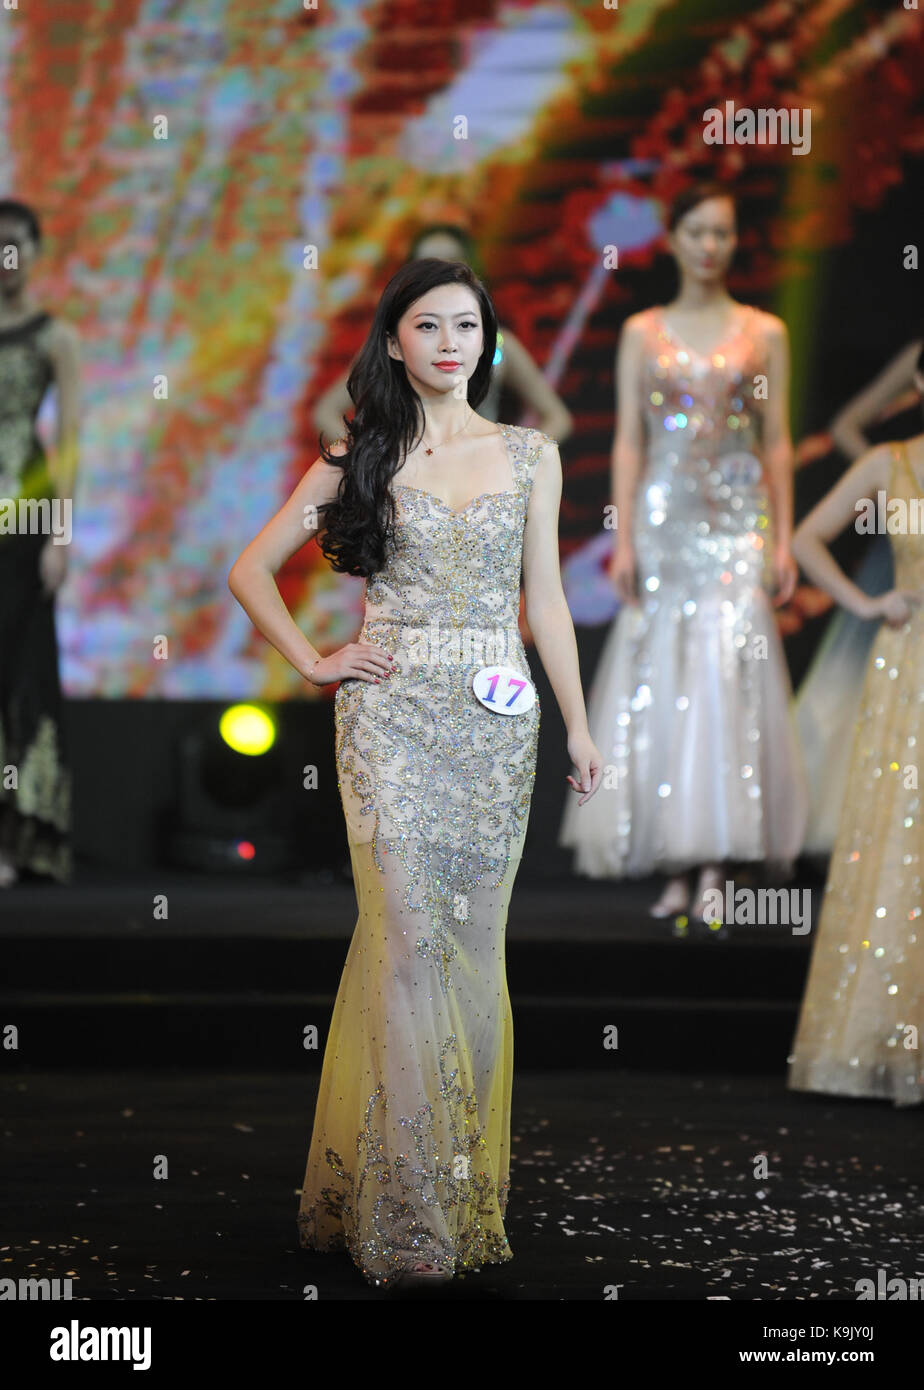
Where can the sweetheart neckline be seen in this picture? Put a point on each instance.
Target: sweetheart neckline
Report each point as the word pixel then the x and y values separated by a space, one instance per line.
pixel 457 511
pixel 454 511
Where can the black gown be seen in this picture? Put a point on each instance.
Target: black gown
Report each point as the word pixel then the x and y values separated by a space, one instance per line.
pixel 34 779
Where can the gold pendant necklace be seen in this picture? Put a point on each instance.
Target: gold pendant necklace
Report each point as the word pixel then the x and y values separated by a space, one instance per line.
pixel 452 436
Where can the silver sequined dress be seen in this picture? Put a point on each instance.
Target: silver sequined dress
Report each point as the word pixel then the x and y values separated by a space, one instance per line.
pixel 410 1150
pixel 690 702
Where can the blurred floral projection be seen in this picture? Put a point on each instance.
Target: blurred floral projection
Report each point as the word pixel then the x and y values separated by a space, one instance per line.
pixel 333 127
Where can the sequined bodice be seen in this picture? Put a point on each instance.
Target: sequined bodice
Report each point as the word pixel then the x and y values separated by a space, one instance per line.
pixel 446 604
pixel 25 373
pixel 703 406
pixel 457 567
pixel 702 504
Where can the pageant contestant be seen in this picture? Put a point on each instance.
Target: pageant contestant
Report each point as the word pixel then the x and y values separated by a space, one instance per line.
pixel 409 1162
pixel 861 1027
pixel 690 702
pixel 827 701
pixel 37 350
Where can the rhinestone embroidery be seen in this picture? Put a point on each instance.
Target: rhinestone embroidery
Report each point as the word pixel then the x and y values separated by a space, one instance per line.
pixel 413 1113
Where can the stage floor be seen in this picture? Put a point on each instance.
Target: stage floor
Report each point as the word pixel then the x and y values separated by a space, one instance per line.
pixel 637 1180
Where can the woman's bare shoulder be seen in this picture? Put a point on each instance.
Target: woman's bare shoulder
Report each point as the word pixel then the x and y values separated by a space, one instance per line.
pixel 770 326
pixel 637 323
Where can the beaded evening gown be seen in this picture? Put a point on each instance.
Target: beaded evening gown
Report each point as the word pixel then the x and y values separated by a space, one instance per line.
pixel 35 813
pixel 410 1150
pixel 861 1026
pixel 690 702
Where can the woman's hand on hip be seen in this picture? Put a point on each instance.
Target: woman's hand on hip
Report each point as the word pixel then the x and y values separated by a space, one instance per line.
pixel 360 661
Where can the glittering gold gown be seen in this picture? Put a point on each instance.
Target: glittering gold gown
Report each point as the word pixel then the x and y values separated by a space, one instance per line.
pixel 861 1027
pixel 410 1152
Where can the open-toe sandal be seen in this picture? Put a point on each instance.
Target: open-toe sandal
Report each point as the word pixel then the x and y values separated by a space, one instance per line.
pixel 419 1274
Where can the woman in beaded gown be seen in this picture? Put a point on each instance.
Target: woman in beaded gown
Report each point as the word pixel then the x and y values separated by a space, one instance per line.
pixel 37 351
pixel 861 1024
pixel 826 703
pixel 408 1167
pixel 690 701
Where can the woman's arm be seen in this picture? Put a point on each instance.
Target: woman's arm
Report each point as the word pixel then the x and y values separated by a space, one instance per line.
pixel 550 620
pixel 251 581
pixel 331 408
pixel 64 349
pixel 837 509
pixel 626 454
pixel 523 376
pixel 894 386
pixel 778 457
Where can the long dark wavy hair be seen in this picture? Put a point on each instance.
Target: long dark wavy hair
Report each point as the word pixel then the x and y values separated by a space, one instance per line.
pixel 388 419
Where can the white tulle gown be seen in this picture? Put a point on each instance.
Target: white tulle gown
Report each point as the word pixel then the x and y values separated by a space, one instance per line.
pixel 691 702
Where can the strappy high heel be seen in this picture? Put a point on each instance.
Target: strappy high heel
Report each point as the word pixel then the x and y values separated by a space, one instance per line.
pixel 711 879
pixel 674 899
pixel 419 1273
